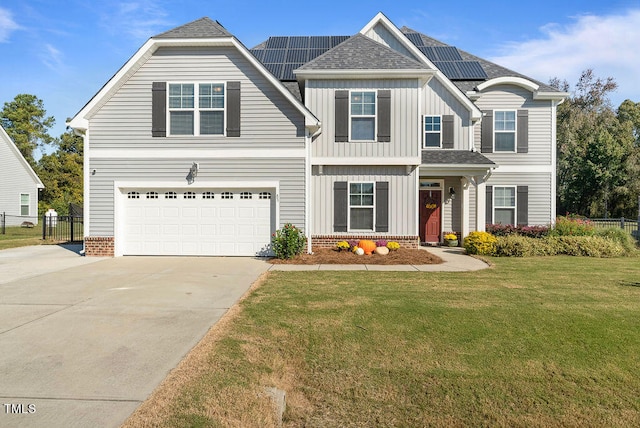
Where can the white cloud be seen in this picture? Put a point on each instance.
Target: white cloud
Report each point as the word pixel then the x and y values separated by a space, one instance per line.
pixel 139 19
pixel 7 24
pixel 607 44
pixel 52 58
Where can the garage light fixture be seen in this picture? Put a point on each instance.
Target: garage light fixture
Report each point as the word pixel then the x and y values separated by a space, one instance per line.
pixel 193 173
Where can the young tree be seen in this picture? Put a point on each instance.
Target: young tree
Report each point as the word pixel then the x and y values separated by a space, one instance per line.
pixel 27 123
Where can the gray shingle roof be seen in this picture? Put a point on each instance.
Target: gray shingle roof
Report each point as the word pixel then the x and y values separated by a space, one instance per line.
pixel 448 157
pixel 203 28
pixel 361 53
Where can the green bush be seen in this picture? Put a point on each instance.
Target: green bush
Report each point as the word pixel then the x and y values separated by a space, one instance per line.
pixel 588 246
pixel 288 241
pixel 480 243
pixel 620 236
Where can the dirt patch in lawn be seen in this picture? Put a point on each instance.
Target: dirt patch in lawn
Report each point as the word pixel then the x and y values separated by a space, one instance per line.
pixel 402 256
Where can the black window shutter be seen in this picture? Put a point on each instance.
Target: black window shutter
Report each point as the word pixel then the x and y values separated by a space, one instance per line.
pixel 523 206
pixel 159 109
pixel 233 109
pixel 486 140
pixel 447 131
pixel 489 205
pixel 342 116
pixel 523 131
pixel 340 206
pixel 382 206
pixel 384 116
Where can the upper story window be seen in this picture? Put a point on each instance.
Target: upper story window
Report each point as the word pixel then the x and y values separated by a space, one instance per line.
pixel 196 115
pixel 432 131
pixel 363 115
pixel 504 131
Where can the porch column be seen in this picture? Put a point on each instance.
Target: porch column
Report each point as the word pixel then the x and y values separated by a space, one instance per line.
pixel 464 207
pixel 481 204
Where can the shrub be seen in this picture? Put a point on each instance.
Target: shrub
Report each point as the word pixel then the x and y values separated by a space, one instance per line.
pixel 589 246
pixel 392 246
pixel 571 226
pixel 288 241
pixel 501 229
pixel 534 231
pixel 343 246
pixel 620 236
pixel 507 230
pixel 481 243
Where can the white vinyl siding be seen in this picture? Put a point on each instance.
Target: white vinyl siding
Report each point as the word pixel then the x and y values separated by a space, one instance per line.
pixel 269 120
pixel 403 213
pixel 405 138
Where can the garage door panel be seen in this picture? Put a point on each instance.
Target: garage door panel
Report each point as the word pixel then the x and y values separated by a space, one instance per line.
pixel 238 224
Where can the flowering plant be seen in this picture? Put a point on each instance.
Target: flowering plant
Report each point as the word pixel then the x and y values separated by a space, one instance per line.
pixel 451 237
pixel 392 246
pixel 381 243
pixel 343 246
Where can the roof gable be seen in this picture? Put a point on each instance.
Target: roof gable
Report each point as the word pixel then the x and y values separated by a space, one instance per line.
pixel 361 53
pixel 5 139
pixel 203 28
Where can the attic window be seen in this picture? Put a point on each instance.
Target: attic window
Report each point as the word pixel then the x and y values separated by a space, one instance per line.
pixel 201 114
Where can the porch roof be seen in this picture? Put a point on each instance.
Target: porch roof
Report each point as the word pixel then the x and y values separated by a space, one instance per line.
pixel 456 162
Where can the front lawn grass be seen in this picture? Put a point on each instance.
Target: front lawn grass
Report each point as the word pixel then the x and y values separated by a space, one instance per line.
pixel 530 342
pixel 16 236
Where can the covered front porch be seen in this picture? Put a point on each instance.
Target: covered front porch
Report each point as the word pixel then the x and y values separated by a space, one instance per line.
pixel 452 193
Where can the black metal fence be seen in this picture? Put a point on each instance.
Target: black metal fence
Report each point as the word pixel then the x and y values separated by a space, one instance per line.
pixel 3 223
pixel 627 224
pixel 63 228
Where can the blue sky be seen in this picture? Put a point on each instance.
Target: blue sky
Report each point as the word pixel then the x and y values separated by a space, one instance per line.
pixel 64 51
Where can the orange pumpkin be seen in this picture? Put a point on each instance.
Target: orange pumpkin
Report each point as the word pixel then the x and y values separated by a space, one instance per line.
pixel 368 246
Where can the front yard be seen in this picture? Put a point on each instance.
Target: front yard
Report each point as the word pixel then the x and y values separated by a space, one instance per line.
pixel 549 341
pixel 16 236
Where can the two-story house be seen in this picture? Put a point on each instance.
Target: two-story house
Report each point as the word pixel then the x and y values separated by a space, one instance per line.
pixel 200 146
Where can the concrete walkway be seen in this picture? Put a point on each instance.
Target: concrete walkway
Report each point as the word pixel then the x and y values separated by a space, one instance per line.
pixel 454 260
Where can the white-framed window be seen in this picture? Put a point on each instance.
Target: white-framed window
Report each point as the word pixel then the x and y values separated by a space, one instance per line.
pixel 362 121
pixel 504 130
pixel 432 131
pixel 361 206
pixel 196 108
pixel 25 206
pixel 504 205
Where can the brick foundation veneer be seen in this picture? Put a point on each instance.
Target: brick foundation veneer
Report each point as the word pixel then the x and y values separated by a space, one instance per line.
pixel 330 241
pixel 96 246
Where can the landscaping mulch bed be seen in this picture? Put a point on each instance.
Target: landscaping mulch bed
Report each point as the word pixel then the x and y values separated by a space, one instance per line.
pixel 402 256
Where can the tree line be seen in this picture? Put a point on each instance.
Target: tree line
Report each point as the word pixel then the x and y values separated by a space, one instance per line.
pixel 598 150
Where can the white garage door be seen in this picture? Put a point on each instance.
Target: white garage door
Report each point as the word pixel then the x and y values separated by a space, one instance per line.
pixel 201 222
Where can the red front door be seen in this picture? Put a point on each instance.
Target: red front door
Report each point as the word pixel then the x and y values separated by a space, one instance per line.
pixel 430 204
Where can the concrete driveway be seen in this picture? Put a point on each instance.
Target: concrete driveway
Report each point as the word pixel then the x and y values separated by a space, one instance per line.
pixel 83 341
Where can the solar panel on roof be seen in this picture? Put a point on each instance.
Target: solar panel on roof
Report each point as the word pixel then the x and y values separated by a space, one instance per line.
pixel 298 42
pixel 415 39
pixel 258 53
pixel 287 71
pixel 319 42
pixel 314 53
pixel 336 40
pixel 471 70
pixel 447 53
pixel 277 42
pixel 274 56
pixel 449 69
pixel 429 52
pixel 275 69
pixel 296 55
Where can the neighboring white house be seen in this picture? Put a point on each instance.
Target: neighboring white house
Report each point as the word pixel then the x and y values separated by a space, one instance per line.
pixel 19 185
pixel 199 146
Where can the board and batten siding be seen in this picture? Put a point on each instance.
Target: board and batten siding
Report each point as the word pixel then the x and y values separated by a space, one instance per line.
pixel 289 172
pixel 383 36
pixel 16 180
pixel 268 119
pixel 404 119
pixel 438 100
pixel 539 190
pixel 402 196
pixel 508 97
